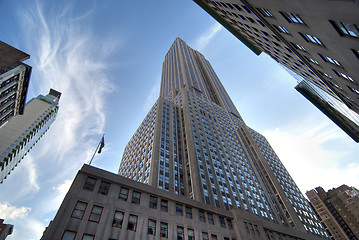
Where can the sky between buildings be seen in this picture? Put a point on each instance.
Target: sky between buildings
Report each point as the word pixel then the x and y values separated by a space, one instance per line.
pixel 106 59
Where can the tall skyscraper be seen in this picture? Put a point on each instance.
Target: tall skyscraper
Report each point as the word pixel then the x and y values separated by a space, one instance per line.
pixel 318 41
pixel 14 82
pixel 192 170
pixel 22 132
pixel 194 143
pixel 338 208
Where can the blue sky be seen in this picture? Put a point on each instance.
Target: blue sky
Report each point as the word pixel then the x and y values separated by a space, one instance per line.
pixel 106 59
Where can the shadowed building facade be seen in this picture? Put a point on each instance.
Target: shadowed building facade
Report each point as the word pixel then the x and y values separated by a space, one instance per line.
pixel 22 132
pixel 318 41
pixel 5 229
pixel 339 210
pixel 14 82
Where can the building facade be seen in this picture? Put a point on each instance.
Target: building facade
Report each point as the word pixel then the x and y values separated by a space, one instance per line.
pixel 5 229
pixel 339 210
pixel 14 82
pixel 22 132
pixel 318 41
pixel 194 143
pixel 105 206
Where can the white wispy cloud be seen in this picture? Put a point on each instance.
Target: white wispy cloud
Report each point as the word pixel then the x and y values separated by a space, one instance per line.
pixel 68 56
pixel 20 217
pixel 59 194
pixel 202 41
pixel 31 173
pixel 10 212
pixel 71 59
pixel 152 96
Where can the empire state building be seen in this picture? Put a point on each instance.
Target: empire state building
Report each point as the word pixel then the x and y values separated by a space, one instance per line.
pixel 194 142
pixel 192 170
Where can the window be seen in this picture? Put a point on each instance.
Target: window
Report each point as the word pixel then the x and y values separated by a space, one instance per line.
pixel 261 23
pixel 210 218
pixel 104 187
pixel 246 225
pixel 136 197
pixel 68 235
pixel 310 38
pixel 164 205
pixel 79 210
pixel 257 230
pixel 179 209
pixel 229 223
pixel 88 237
pixel 123 194
pixel 117 219
pixel 180 233
pixel 292 17
pixel 325 74
pixel 353 90
pixel 95 214
pixel 222 222
pixel 214 237
pixel 90 184
pixel 202 216
pixel 330 60
pixel 247 9
pixel 238 7
pixel 340 74
pixel 265 12
pixel 153 202
pixel 151 229
pixel 297 46
pixel 356 53
pixel 225 238
pixel 164 230
pixel 312 60
pixel 132 223
pixel 345 29
pixel 188 212
pixel 205 236
pixel 190 234
pixel 282 29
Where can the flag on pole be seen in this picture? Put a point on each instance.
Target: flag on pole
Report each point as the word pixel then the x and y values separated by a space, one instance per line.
pixel 102 144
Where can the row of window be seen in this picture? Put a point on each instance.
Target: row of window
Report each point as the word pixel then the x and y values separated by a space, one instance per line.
pixel 135 199
pixel 151 230
pixel 96 212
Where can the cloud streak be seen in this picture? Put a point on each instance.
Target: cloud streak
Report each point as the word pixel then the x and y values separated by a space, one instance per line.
pixel 68 56
pixel 72 60
pixel 202 41
pixel 10 212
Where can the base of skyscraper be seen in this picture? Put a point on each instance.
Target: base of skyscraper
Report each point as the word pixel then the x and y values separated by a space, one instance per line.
pixel 103 205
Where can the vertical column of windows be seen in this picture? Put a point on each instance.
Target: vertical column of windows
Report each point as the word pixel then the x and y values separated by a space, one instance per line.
pixel 194 133
pixel 177 154
pixel 204 137
pixel 164 163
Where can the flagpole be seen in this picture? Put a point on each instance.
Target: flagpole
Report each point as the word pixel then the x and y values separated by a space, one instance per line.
pixel 96 149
